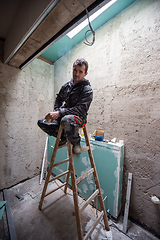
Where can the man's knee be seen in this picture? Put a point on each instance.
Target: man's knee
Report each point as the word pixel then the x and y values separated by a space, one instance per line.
pixel 65 122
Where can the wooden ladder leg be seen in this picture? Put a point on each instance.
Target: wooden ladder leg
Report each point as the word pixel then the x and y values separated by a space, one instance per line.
pixel 96 179
pixel 50 167
pixel 67 177
pixel 75 193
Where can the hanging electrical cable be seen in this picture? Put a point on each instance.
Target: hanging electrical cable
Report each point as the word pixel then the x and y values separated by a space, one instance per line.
pixel 90 30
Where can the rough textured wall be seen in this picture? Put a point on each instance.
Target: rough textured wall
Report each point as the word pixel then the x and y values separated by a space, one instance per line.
pixel 124 70
pixel 25 96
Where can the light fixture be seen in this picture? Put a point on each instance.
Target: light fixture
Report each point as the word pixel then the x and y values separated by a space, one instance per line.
pixel 82 25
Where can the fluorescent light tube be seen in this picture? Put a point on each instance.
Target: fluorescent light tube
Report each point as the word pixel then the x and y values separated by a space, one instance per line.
pixel 77 29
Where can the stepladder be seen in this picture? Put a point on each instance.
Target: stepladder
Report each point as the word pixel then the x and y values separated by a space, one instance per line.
pixel 70 172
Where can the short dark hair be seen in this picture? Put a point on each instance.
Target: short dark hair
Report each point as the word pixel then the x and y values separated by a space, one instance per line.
pixel 80 62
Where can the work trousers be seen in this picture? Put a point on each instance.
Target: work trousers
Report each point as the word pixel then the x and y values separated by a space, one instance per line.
pixel 70 124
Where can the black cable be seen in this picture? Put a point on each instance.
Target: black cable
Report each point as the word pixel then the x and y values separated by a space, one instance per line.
pixel 90 30
pixel 114 225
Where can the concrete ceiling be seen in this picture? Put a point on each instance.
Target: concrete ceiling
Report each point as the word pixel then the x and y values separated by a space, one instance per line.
pixel 30 27
pixel 8 9
pixel 61 17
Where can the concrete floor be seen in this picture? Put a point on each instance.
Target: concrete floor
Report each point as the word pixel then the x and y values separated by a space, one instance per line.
pixel 57 220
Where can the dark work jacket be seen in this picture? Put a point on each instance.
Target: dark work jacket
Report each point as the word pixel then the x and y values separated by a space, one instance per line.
pixel 74 99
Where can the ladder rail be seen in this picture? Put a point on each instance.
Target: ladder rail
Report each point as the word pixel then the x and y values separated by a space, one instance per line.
pixel 71 171
pixel 50 167
pixel 75 193
pixel 96 178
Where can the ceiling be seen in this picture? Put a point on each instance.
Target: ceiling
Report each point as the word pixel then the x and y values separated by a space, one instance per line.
pixel 8 9
pixel 65 44
pixel 49 40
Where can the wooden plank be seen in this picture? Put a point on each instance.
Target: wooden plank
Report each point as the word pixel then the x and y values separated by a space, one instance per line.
pixel 60 162
pixel 55 189
pixel 126 211
pixel 84 204
pixel 62 146
pixel 45 60
pixel 58 176
pixel 85 149
pixel 85 175
pixel 12 231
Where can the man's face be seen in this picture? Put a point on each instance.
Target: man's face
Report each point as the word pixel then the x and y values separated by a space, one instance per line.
pixel 79 73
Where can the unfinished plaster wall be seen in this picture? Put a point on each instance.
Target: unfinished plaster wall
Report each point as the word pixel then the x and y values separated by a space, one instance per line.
pixel 124 71
pixel 25 96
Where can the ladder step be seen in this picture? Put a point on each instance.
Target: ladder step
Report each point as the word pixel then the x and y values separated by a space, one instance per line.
pixel 55 189
pixel 58 176
pixel 84 204
pixel 85 149
pixel 85 175
pixel 89 232
pixel 59 163
pixel 65 145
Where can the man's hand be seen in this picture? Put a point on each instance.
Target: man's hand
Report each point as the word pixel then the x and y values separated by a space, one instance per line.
pixel 52 116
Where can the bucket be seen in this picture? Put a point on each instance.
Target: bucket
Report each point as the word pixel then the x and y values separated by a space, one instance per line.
pixel 99 138
pixel 99 134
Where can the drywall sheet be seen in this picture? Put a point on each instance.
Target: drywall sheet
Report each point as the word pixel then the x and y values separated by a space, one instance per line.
pixel 109 164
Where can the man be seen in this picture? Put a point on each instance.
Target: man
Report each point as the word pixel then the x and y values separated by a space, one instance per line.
pixel 71 107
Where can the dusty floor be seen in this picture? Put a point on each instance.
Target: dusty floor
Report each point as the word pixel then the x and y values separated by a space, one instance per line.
pixel 56 220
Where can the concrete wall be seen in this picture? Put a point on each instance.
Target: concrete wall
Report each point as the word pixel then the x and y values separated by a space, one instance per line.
pixel 25 96
pixel 124 71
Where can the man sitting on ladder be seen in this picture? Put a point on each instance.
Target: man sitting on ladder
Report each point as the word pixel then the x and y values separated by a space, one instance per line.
pixel 71 107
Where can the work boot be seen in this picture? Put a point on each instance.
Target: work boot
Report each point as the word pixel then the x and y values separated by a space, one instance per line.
pixel 77 149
